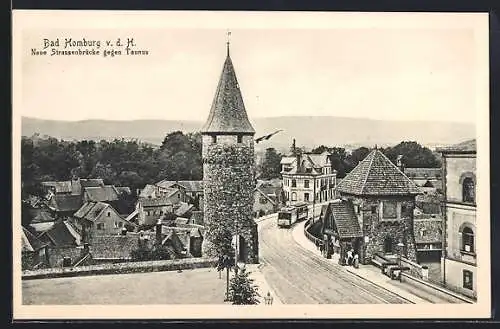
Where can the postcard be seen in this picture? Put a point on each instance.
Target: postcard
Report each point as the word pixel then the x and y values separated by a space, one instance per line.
pixel 281 165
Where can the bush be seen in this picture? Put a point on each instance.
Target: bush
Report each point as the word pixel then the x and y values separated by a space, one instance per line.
pixel 242 290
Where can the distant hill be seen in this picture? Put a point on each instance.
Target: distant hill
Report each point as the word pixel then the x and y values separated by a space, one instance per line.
pixel 308 131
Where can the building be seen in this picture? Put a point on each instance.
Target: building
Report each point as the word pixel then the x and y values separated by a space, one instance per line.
pixel 228 170
pixel 33 251
pixel 150 210
pixel 428 179
pixel 458 263
pixel 192 190
pixel 268 198
pixel 429 239
pixel 98 218
pixel 308 178
pixel 374 213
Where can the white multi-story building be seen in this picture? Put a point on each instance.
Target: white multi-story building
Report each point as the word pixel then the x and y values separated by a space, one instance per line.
pixel 308 178
pixel 458 262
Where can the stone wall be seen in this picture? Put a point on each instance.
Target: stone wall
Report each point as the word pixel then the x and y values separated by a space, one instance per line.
pixel 377 230
pixel 228 173
pixel 56 255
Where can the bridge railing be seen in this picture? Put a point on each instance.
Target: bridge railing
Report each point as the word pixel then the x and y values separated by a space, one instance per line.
pixel 308 235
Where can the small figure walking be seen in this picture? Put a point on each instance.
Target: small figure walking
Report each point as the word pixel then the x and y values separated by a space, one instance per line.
pixel 268 299
pixel 349 256
pixel 355 261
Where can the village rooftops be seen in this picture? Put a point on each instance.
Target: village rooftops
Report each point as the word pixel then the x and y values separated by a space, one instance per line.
pixel 65 202
pixel 30 242
pixel 62 234
pixel 467 147
pixel 228 114
pixel 101 193
pixel 155 202
pixel 188 185
pixel 376 175
pixel 91 210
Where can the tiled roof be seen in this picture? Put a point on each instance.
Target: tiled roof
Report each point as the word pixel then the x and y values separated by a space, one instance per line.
pixel 319 160
pixel 288 160
pixel 123 189
pixel 91 210
pixel 92 182
pixel 155 202
pixel 61 236
pixel 64 202
pixel 468 146
pixel 192 185
pixel 43 216
pixel 377 175
pixel 147 191
pixel 102 193
pixel 60 187
pixel 423 173
pixel 42 226
pixel 113 246
pixel 345 219
pixel 183 209
pixel 228 113
pixel 30 242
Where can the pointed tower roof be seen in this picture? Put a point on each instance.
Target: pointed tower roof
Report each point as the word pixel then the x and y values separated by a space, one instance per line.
pixel 377 175
pixel 228 114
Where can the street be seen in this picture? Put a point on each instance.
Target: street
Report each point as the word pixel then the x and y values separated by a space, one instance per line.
pixel 299 276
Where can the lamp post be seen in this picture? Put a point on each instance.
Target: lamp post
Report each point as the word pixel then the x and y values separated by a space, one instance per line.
pixel 400 246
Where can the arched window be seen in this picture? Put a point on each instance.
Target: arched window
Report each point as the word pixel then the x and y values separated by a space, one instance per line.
pixel 294 196
pixel 467 239
pixel 468 190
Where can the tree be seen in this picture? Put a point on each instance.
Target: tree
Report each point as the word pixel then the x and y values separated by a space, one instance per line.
pixel 414 155
pixel 242 290
pixel 271 165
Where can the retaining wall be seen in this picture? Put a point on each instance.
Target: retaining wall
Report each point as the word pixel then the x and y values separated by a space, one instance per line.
pixel 433 289
pixel 121 268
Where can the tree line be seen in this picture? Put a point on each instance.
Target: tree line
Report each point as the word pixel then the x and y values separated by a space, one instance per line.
pixel 119 162
pixel 414 156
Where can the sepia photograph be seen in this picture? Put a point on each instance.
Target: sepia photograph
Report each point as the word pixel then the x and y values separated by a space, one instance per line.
pixel 250 165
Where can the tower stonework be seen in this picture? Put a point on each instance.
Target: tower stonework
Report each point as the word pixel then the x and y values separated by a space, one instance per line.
pixel 228 172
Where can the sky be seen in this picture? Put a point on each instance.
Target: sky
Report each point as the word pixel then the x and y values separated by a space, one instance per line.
pixel 417 72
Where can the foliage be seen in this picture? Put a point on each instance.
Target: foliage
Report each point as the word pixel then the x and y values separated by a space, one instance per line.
pixel 143 253
pixel 119 162
pixel 414 156
pixel 271 165
pixel 242 290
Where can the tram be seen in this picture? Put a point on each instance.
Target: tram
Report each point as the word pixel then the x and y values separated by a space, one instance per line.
pixel 288 216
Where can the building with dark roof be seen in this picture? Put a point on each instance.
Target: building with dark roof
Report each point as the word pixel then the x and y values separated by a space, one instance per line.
pixel 98 218
pixel 33 251
pixel 459 258
pixel 308 178
pixel 375 212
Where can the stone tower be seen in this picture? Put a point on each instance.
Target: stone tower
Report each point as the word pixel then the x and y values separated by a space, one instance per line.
pixel 228 172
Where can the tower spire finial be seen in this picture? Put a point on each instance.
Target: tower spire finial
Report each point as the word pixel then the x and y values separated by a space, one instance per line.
pixel 228 41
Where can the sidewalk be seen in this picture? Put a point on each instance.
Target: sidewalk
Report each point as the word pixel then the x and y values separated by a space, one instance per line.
pixel 367 272
pixel 261 282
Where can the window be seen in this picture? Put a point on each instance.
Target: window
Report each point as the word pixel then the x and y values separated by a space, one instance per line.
pixel 100 226
pixel 374 209
pixel 240 139
pixel 389 210
pixel 294 196
pixel 161 212
pixel 306 183
pixel 467 279
pixel 115 224
pixel 214 139
pixel 120 224
pixel 294 183
pixel 468 190
pixel 147 213
pixel 306 196
pixel 263 200
pixel 467 239
pixel 109 213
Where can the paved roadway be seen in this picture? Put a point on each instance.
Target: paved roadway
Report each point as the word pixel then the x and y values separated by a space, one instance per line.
pixel 298 276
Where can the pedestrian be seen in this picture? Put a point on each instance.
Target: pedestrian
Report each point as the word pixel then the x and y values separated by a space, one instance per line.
pixel 268 299
pixel 355 261
pixel 349 256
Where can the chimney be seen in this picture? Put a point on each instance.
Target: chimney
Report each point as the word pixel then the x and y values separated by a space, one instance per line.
pixel 400 164
pixel 158 231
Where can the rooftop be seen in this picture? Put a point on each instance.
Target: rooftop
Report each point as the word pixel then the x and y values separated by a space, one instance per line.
pixel 377 175
pixel 228 113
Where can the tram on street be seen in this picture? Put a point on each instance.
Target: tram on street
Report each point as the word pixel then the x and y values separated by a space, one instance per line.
pixel 288 216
